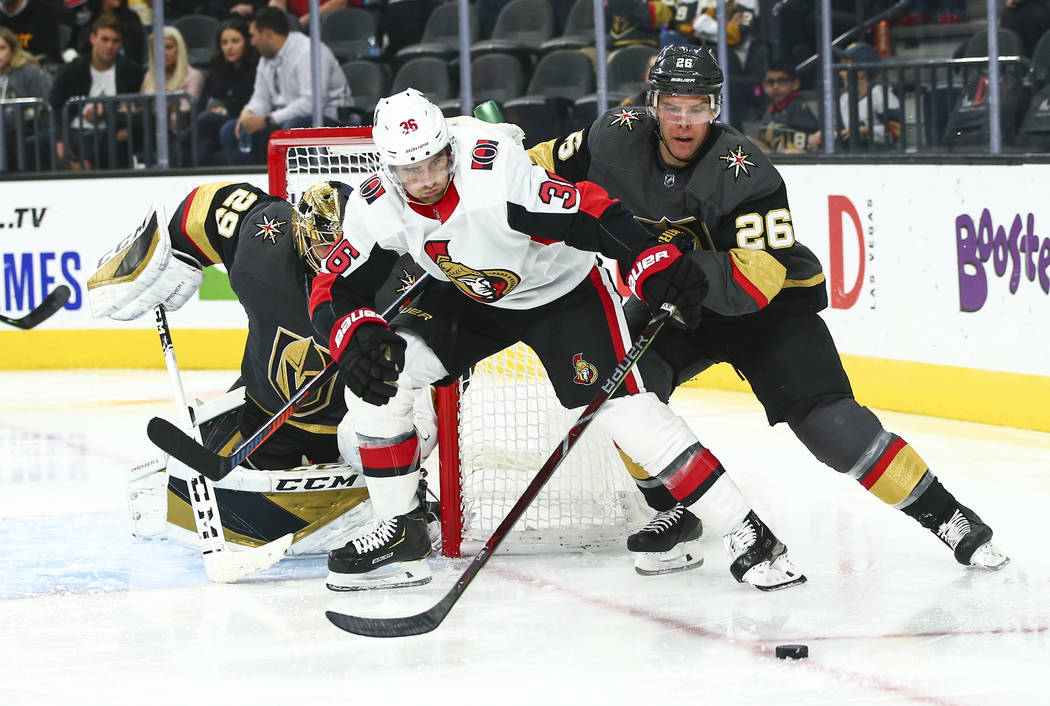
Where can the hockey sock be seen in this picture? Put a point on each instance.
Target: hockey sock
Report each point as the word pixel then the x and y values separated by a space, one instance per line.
pixel 933 507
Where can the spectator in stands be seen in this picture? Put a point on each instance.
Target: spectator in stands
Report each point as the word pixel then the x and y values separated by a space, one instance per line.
pixel 884 126
pixel 231 75
pixel 34 22
pixel 20 72
pixel 745 97
pixel 103 72
pixel 1029 18
pixel 178 76
pixel 636 22
pixel 282 97
pixel 301 8
pixel 788 123
pixel 133 45
pixel 20 77
pixel 741 16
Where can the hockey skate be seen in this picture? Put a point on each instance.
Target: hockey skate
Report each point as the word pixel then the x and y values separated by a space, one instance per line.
pixel 971 540
pixel 758 557
pixel 391 554
pixel 670 542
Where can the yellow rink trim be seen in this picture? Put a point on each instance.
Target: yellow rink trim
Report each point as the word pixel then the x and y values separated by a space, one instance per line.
pixel 968 394
pixel 203 349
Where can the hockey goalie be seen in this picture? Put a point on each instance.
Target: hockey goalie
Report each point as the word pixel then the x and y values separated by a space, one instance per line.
pixel 305 479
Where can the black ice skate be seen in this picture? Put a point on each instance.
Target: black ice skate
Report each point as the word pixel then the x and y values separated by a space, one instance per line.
pixel 391 554
pixel 971 540
pixel 668 543
pixel 758 557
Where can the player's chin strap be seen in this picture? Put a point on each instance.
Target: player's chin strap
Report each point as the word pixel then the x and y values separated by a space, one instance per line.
pixel 220 563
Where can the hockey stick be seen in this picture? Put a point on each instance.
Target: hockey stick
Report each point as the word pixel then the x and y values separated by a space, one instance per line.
pixel 220 563
pixel 51 304
pixel 214 466
pixel 429 619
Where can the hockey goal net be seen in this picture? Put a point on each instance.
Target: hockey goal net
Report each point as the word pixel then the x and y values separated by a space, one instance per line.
pixel 497 427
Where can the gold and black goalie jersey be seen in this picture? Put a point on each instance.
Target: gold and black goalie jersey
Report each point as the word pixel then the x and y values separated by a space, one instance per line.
pixel 248 231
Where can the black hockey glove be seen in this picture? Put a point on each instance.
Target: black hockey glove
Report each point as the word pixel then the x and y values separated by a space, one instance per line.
pixel 661 274
pixel 369 354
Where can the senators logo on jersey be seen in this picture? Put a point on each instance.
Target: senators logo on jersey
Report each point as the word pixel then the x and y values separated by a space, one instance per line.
pixel 586 373
pixel 483 154
pixel 293 361
pixel 372 188
pixel 480 285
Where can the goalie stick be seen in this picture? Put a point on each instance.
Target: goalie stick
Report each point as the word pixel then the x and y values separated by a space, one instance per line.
pixel 429 619
pixel 220 563
pixel 213 466
pixel 51 304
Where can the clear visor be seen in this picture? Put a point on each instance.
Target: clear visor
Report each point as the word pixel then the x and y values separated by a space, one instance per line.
pixel 685 109
pixel 423 182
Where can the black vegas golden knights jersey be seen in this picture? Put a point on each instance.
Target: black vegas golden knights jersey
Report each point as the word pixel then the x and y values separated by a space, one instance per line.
pixel 730 201
pixel 249 232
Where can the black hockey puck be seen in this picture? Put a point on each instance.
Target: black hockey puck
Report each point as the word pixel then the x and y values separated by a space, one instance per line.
pixel 792 651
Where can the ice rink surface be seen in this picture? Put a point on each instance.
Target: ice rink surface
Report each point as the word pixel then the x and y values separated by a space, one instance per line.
pixel 90 615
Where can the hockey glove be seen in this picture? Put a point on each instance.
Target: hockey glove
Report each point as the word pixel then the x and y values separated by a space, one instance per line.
pixel 369 354
pixel 662 275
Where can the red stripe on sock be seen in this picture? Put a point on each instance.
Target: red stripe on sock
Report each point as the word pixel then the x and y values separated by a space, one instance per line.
pixel 386 457
pixel 683 482
pixel 883 463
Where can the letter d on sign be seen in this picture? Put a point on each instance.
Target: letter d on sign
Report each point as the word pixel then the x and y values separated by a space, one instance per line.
pixel 837 207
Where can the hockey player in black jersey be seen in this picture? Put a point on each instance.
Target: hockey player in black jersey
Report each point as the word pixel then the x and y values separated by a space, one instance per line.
pixel 690 177
pixel 258 238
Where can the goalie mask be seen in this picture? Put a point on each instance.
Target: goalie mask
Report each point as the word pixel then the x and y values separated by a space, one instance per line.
pixel 682 70
pixel 317 221
pixel 416 148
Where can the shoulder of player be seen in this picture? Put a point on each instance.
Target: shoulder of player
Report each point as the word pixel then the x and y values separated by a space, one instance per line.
pixel 738 158
pixel 480 149
pixel 621 125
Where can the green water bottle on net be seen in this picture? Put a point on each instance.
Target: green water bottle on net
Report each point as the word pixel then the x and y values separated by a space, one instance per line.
pixel 489 111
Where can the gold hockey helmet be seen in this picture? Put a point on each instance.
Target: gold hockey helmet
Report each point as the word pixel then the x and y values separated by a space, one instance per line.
pixel 317 220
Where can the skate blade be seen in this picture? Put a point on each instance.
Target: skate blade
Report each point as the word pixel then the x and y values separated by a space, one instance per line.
pixel 403 575
pixel 684 556
pixel 775 575
pixel 988 558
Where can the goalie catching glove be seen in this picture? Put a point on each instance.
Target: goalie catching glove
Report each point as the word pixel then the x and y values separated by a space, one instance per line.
pixel 370 355
pixel 141 272
pixel 661 274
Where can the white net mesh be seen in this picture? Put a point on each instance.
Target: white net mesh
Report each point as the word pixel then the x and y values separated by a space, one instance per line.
pixel 307 165
pixel 511 421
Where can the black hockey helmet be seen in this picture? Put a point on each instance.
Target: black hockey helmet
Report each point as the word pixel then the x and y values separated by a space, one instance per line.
pixel 685 70
pixel 317 220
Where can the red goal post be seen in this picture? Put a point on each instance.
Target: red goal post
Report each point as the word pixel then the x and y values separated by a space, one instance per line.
pixel 495 429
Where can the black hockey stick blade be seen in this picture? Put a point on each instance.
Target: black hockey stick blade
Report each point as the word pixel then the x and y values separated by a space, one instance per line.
pixel 175 442
pixel 429 619
pixel 418 624
pixel 51 304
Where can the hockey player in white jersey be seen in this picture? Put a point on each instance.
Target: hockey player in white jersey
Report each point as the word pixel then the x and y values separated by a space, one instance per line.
pixel 512 252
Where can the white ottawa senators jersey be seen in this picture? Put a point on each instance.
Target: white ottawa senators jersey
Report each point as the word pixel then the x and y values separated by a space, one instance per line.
pixel 501 233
